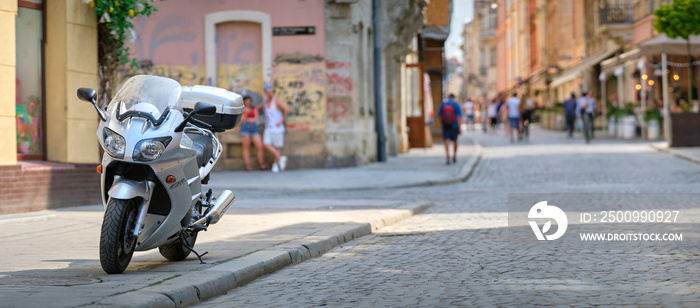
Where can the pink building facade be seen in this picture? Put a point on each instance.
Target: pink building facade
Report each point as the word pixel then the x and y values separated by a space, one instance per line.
pixel 243 46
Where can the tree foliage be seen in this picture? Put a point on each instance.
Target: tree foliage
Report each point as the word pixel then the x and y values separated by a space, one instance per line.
pixel 114 28
pixel 680 19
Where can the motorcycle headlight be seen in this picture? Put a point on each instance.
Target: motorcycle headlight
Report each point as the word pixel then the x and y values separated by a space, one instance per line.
pixel 115 145
pixel 150 149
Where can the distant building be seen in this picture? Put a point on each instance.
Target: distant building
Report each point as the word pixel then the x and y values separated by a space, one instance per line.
pixel 480 52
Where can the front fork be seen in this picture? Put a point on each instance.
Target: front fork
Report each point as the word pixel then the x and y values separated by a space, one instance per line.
pixel 126 189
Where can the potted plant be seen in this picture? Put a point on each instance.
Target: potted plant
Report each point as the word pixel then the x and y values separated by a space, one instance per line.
pixel 653 118
pixel 612 119
pixel 627 122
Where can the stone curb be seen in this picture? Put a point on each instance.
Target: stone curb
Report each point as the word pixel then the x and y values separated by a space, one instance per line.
pixel 464 173
pixel 199 286
pixel 675 154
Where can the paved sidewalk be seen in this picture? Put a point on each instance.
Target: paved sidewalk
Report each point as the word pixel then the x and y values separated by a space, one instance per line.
pixel 691 154
pixel 419 167
pixel 51 257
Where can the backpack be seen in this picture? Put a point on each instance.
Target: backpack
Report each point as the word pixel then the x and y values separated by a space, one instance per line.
pixel 570 107
pixel 448 114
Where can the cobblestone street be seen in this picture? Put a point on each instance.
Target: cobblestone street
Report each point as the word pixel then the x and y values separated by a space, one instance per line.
pixel 458 252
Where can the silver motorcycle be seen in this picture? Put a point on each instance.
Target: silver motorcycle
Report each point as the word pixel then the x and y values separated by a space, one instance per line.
pixel 159 147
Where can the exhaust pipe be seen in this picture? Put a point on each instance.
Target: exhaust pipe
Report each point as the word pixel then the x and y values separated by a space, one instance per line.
pixel 216 211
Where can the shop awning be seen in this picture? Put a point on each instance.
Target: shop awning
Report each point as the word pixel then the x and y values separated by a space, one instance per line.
pixel 612 63
pixel 672 47
pixel 571 73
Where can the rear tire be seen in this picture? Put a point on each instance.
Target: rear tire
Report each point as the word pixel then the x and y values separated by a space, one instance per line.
pixel 117 243
pixel 175 251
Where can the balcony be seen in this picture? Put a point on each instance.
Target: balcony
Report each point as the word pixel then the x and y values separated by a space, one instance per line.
pixel 616 14
pixel 616 22
pixel 487 33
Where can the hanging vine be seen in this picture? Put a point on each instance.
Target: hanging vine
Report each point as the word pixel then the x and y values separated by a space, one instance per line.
pixel 114 28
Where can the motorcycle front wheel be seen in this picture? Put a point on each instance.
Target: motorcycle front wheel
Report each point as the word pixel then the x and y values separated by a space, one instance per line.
pixel 117 241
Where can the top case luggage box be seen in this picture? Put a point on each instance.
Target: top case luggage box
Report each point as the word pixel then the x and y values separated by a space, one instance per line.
pixel 229 105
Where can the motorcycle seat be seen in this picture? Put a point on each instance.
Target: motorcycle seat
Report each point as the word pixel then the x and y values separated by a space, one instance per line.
pixel 203 145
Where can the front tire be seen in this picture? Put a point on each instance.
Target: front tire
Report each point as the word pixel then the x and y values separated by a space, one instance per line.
pixel 176 251
pixel 117 242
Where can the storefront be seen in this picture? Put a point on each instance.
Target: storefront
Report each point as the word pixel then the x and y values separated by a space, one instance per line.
pixel 48 149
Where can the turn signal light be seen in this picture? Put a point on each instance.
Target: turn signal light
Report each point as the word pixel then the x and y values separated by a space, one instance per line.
pixel 170 179
pixel 99 169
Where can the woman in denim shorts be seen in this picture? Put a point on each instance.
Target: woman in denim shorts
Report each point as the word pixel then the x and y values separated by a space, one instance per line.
pixel 249 131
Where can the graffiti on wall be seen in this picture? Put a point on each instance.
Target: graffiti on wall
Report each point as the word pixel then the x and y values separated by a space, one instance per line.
pixel 166 31
pixel 239 67
pixel 340 103
pixel 302 87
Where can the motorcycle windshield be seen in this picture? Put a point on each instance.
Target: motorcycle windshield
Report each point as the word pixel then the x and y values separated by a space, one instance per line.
pixel 145 95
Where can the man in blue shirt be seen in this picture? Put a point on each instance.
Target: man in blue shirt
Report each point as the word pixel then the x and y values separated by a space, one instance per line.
pixel 570 114
pixel 450 114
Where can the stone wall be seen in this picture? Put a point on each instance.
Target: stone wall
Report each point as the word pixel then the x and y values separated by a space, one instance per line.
pixel 350 126
pixel 350 129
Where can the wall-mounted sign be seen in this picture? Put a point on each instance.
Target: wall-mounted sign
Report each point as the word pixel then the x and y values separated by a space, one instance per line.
pixel 310 30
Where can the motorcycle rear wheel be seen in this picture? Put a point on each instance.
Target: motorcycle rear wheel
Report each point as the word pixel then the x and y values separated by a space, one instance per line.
pixel 117 242
pixel 176 251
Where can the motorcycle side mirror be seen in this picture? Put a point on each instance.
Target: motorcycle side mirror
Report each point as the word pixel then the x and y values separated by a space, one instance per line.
pixel 90 96
pixel 200 108
pixel 204 109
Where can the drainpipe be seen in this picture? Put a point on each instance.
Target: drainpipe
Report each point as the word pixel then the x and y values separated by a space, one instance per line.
pixel 379 118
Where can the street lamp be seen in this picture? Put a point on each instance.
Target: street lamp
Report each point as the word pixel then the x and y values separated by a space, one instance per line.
pixel 494 4
pixel 603 98
pixel 641 65
pixel 619 72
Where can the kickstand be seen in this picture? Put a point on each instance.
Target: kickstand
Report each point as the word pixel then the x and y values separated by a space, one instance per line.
pixel 184 242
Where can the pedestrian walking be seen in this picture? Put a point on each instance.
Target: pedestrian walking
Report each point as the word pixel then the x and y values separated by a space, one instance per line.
pixel 249 132
pixel 585 107
pixel 527 118
pixel 469 112
pixel 273 139
pixel 450 114
pixel 499 110
pixel 513 112
pixel 590 114
pixel 570 114
pixel 483 115
pixel 492 112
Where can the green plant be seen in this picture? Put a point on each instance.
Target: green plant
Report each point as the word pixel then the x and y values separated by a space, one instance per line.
pixel 626 111
pixel 113 29
pixel 686 107
pixel 680 19
pixel 613 111
pixel 652 114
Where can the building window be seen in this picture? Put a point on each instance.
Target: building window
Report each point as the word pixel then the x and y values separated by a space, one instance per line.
pixel 29 104
pixel 493 56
